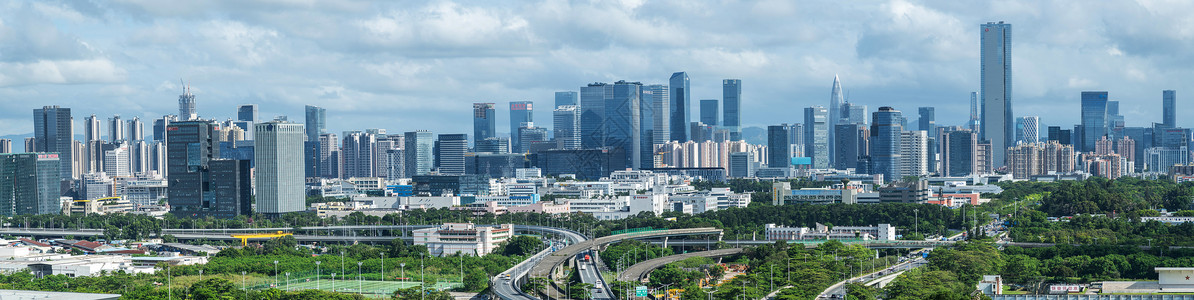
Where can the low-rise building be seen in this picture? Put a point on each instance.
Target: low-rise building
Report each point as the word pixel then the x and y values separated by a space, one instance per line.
pixel 542 208
pixel 882 232
pixel 783 194
pixel 466 238
pixel 101 206
pixel 905 192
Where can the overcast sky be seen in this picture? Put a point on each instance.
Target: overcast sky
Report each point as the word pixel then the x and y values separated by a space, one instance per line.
pixel 407 65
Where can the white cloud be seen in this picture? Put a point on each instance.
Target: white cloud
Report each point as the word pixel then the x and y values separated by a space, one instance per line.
pixel 60 72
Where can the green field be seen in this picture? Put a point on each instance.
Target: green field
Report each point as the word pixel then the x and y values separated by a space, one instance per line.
pixel 361 287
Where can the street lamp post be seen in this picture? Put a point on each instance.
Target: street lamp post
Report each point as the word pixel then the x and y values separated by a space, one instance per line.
pixel 333 282
pixel 318 274
pixel 200 274
pixel 403 270
pixel 916 213
pixel 383 266
pixel 287 281
pixel 360 285
pixel 422 280
pixel 275 273
pixel 242 280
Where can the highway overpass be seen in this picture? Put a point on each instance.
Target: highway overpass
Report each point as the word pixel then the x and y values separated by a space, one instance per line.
pixel 639 271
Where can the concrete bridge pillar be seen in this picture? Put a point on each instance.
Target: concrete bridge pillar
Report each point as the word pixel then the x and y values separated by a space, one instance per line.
pixel 665 242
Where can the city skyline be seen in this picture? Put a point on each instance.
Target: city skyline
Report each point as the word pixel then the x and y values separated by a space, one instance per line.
pixel 889 65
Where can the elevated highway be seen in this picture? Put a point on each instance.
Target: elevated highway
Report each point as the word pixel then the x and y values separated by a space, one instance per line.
pixel 639 271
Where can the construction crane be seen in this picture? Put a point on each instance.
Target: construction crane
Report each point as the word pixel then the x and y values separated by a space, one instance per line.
pixel 244 238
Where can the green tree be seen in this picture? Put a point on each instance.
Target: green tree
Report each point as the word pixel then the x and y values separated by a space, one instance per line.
pixel 521 245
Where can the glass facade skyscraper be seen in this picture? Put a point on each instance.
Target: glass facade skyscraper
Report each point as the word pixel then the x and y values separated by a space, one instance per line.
pixel 731 103
pixel 610 117
pixel 709 112
pixel 484 121
pixel 816 136
pixel 567 98
pixel 835 112
pixel 656 95
pixel 779 149
pixel 567 127
pixel 419 152
pixel 520 112
pixel 31 184
pixel 885 142
pixel 1169 108
pixel 316 122
pixel 53 132
pixel 1094 119
pixel 996 80
pixel 680 116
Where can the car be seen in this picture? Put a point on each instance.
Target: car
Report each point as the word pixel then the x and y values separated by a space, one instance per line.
pixel 598 290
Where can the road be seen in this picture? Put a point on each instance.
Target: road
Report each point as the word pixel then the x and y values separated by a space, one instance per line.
pixel 591 274
pixel 839 288
pixel 508 289
pixel 640 270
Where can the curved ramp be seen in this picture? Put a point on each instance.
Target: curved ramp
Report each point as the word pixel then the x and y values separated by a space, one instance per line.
pixel 639 271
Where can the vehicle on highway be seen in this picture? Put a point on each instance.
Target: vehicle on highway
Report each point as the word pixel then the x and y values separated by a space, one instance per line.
pixel 582 267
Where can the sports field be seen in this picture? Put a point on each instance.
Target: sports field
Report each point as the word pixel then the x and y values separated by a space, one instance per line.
pixel 361 287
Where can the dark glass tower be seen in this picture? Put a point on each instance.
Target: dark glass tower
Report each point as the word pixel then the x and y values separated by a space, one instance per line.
pixel 53 131
pixel 680 116
pixel 731 102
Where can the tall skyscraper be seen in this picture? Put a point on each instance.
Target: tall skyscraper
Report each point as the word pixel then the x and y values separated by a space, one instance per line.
pixel 958 156
pixel 91 129
pixel 328 157
pixel 566 98
pixel 914 154
pixel 316 122
pixel 116 129
pixel 1169 108
pixel 136 130
pixel 280 185
pixel 53 132
pixel 835 112
pixel 1094 119
pixel 816 136
pixel 1028 129
pixel 484 121
pixel 656 96
pixel 5 146
pixel 855 114
pixel 247 112
pixel 709 112
pixel 201 185
pixel 847 142
pixel 779 150
pixel 566 125
pixel 680 116
pixel 885 142
pixel 30 184
pixel 975 113
pixel 419 152
pixel 449 153
pixel 159 127
pixel 186 104
pixel 996 70
pixel 520 112
pixel 928 119
pixel 358 154
pixel 731 103
pixel 610 118
pixel 647 115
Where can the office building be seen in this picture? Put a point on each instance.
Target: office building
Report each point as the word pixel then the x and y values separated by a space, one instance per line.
pixel 996 70
pixel 779 150
pixel 731 103
pixel 91 129
pixel 5 146
pixel 709 112
pixel 647 116
pixel 975 113
pixel 316 122
pixel 1094 119
pixel 855 114
pixel 463 238
pixel 116 160
pixel 520 112
pixel 928 119
pixel 494 165
pixel 449 153
pixel 531 134
pixel 816 136
pixel 186 105
pixel 381 148
pixel 681 96
pixel 848 143
pixel 567 98
pixel 419 152
pixel 328 156
pixel 53 132
pixel 200 184
pixel 1169 108
pixel 656 95
pixel 1159 159
pixel 1028 129
pixel 566 123
pixel 610 118
pixel 743 164
pixel 159 127
pixel 584 164
pixel 885 142
pixel 958 153
pixel 280 185
pixel 246 116
pixel 30 184
pixel 484 121
pixel 496 145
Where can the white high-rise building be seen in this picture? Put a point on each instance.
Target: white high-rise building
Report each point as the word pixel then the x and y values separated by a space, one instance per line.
pixel 914 153
pixel 278 155
pixel 116 161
